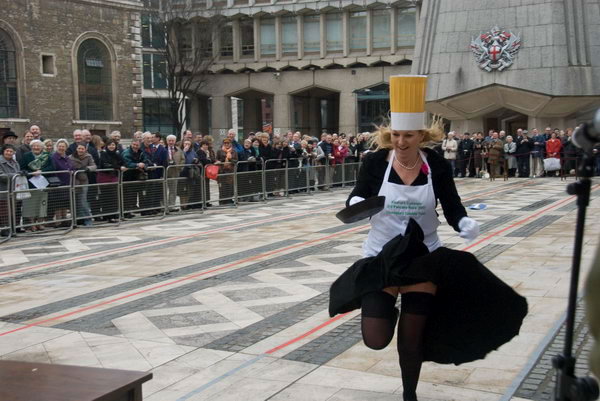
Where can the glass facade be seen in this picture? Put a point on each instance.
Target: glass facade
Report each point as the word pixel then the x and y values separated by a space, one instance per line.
pixel 312 33
pixel 9 101
pixel 333 36
pixel 358 30
pixel 289 35
pixel 226 40
pixel 267 37
pixel 95 81
pixel 155 71
pixel 247 37
pixel 380 30
pixel 407 27
pixel 158 116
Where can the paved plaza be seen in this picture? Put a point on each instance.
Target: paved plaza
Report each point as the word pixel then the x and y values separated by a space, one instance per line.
pixel 231 304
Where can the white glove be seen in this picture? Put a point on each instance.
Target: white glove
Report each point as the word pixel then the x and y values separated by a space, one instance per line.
pixel 469 228
pixel 355 200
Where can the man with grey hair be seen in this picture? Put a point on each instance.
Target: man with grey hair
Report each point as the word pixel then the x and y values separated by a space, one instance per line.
pixel 116 136
pixel 36 132
pixel 232 136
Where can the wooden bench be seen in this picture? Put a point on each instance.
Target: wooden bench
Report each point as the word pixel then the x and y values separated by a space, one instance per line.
pixel 25 381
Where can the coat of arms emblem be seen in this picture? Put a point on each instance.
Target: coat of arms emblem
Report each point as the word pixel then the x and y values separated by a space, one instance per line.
pixel 496 49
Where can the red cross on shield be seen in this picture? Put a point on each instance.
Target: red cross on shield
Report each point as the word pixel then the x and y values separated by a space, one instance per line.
pixel 494 52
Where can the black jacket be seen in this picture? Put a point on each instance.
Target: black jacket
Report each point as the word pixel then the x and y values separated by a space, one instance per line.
pixel 524 147
pixel 370 178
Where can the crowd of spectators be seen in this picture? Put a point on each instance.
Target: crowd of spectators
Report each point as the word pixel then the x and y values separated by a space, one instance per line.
pixel 150 157
pixel 522 155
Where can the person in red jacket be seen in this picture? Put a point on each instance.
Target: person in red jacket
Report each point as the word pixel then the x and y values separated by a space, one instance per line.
pixel 553 147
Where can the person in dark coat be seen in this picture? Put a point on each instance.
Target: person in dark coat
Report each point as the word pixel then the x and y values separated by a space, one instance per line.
pixel 465 156
pixel 134 177
pixel 112 164
pixel 524 148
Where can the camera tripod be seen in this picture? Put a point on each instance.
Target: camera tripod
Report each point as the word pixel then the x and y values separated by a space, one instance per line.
pixel 568 386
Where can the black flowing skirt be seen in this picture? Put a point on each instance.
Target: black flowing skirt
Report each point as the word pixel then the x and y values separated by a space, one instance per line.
pixel 474 311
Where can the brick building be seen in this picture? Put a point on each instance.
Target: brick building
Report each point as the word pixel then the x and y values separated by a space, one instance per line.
pixel 67 64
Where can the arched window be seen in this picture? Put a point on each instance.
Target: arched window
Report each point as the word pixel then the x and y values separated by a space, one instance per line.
pixel 95 81
pixel 9 100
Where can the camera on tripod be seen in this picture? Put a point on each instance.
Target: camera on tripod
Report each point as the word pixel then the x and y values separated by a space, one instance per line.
pixel 568 386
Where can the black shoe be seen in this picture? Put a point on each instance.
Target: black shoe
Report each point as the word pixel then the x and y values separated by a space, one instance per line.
pixel 128 215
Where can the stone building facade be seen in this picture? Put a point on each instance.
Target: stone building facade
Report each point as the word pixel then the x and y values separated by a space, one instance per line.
pixel 284 53
pixel 70 64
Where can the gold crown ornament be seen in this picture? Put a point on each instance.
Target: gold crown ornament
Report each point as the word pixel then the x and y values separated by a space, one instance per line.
pixel 407 102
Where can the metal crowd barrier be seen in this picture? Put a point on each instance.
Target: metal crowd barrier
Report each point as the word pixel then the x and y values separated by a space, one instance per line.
pixel 146 195
pixel 275 177
pixel 250 181
pixel 97 201
pixel 116 195
pixel 42 209
pixel 227 184
pixel 5 215
pixel 185 187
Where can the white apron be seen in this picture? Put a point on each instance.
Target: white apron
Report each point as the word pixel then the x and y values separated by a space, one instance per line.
pixel 403 202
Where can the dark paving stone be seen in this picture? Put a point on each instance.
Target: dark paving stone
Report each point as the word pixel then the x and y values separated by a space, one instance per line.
pixel 271 309
pixel 271 325
pixel 337 229
pixel 540 382
pixel 538 205
pixel 338 260
pixel 331 344
pixel 490 251
pixel 498 221
pixel 533 227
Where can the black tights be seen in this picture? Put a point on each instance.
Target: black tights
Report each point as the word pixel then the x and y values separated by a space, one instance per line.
pixel 378 322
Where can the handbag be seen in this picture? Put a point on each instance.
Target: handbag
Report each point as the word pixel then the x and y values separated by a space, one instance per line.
pixel 21 184
pixel 211 171
pixel 551 164
pixel 53 181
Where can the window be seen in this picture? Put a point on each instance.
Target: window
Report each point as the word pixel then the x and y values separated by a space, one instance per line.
pixel 289 35
pixel 158 116
pixel 155 71
pixel 312 33
pixel 333 27
pixel 407 27
pixel 247 37
pixel 226 40
pixel 8 78
pixel 47 64
pixel 267 37
pixel 95 81
pixel 381 29
pixel 204 39
pixel 153 33
pixel 358 30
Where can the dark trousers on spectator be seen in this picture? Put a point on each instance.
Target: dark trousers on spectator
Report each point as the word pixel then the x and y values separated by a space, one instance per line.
pixel 523 164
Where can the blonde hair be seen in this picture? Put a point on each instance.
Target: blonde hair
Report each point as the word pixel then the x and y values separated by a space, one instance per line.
pixel 382 137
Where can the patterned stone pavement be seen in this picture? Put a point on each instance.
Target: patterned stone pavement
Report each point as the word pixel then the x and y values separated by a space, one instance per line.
pixel 231 304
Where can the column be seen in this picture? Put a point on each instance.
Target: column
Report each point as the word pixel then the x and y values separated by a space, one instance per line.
pixel 237 43
pixel 278 46
pixel 194 113
pixel 220 117
pixel 345 31
pixel 394 29
pixel 323 31
pixel 369 32
pixel 300 19
pixel 348 110
pixel 281 112
pixel 256 38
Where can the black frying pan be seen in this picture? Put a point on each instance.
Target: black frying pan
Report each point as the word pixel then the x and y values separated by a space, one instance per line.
pixel 361 210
